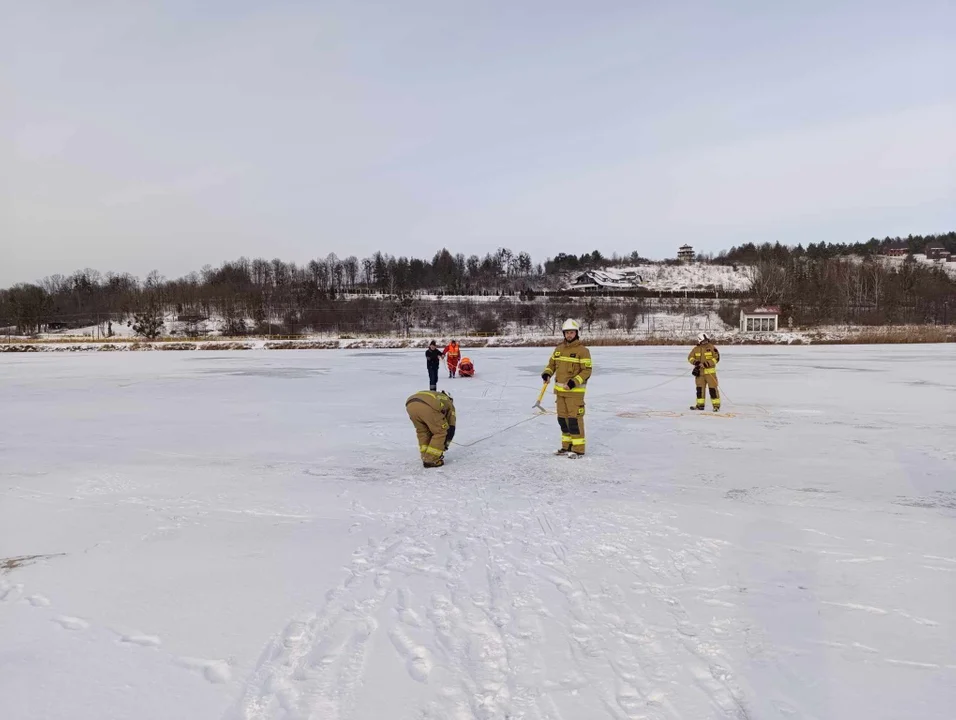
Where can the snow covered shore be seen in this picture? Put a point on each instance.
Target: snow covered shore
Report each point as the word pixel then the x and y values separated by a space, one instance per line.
pixel 819 336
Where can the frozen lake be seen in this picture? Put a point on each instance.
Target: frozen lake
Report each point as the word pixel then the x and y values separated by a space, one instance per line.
pixel 251 535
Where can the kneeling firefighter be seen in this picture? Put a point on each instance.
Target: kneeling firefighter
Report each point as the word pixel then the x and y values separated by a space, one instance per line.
pixel 704 357
pixel 433 415
pixel 570 364
pixel 466 368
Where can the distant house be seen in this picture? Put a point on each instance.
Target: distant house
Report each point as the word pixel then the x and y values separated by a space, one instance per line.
pixel 686 253
pixel 760 319
pixel 896 250
pixel 935 251
pixel 606 280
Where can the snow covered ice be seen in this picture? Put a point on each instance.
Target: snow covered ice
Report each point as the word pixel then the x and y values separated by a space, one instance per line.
pixel 252 536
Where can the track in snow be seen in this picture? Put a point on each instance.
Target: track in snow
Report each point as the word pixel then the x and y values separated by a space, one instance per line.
pixel 539 613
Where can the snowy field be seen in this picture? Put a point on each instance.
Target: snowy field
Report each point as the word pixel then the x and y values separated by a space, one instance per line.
pixel 690 276
pixel 251 535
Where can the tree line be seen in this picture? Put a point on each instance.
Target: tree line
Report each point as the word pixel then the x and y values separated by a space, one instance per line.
pixel 863 291
pixel 750 254
pixel 816 284
pixel 259 288
pixel 563 262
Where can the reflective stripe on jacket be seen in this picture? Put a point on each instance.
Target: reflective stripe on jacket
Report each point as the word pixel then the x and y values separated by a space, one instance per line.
pixel 570 361
pixel 707 355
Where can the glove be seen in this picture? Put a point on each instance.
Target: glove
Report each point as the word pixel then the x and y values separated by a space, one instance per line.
pixel 570 384
pixel 546 378
pixel 696 371
pixel 449 437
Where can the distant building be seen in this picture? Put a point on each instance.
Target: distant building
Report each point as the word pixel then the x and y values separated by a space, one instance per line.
pixel 761 319
pixel 606 280
pixel 686 253
pixel 896 250
pixel 936 251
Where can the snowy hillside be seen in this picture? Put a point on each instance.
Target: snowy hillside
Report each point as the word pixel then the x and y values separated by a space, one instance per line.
pixel 690 276
pixel 122 329
pixel 654 276
pixel 252 537
pixel 948 267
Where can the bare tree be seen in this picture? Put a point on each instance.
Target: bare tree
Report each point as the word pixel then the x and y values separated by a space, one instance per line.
pixel 350 265
pixel 368 272
pixel 768 282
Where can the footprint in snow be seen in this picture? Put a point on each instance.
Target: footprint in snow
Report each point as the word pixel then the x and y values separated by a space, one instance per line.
pixel 214 671
pixel 141 640
pixel 406 614
pixel 8 593
pixel 418 660
pixel 71 623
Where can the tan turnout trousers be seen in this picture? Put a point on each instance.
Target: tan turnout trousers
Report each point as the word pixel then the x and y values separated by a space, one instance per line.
pixel 432 414
pixel 570 409
pixel 707 381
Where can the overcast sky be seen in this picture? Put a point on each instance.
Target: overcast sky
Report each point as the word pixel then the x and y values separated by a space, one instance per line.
pixel 171 134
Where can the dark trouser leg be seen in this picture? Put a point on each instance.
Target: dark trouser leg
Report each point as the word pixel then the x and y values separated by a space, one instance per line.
pixel 575 404
pixel 562 409
pixel 714 391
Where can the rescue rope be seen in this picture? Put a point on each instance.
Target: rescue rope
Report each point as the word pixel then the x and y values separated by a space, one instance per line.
pixel 646 389
pixel 498 432
pixel 646 413
pixel 638 391
pixel 629 392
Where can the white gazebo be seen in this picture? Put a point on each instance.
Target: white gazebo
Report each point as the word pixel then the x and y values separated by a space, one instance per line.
pixel 761 319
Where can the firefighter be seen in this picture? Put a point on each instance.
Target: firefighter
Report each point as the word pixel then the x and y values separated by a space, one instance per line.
pixel 432 357
pixel 433 415
pixel 704 357
pixel 570 364
pixel 452 353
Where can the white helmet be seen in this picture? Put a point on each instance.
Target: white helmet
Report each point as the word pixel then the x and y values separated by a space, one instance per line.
pixel 570 324
pixel 702 338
